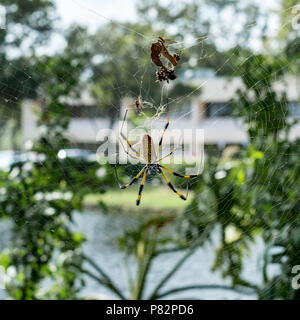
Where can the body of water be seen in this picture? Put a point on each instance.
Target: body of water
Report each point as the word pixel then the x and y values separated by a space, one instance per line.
pixel 101 229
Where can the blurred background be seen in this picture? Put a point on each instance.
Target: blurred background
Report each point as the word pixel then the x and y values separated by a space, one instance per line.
pixel 70 69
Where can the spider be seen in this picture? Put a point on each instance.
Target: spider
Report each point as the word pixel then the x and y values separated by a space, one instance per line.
pixel 152 166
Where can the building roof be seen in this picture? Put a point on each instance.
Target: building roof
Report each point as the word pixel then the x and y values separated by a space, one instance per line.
pixel 221 89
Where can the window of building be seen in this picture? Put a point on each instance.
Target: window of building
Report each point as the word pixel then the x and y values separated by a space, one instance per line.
pixel 218 109
pixel 84 111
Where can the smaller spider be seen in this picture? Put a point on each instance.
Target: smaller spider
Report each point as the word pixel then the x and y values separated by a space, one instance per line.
pixel 152 166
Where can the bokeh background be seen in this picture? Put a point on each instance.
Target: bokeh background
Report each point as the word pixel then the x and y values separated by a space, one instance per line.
pixel 70 69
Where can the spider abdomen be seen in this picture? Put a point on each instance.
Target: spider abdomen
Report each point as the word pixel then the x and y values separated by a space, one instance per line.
pixel 148 150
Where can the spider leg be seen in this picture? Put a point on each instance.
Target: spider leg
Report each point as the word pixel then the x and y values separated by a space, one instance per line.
pixel 172 187
pixel 133 180
pixel 141 189
pixel 126 151
pixel 161 139
pixel 126 140
pixel 169 154
pixel 177 174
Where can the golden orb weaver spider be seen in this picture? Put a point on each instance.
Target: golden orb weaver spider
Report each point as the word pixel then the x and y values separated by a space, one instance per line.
pixel 152 166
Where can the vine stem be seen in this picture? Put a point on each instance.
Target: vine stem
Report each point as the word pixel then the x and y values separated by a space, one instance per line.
pixel 200 287
pixel 171 273
pixel 105 280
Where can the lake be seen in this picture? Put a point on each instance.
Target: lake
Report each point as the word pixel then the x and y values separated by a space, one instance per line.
pixel 100 229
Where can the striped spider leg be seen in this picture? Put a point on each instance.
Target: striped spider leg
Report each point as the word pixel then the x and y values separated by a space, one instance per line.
pixel 130 145
pixel 161 140
pixel 140 157
pixel 167 169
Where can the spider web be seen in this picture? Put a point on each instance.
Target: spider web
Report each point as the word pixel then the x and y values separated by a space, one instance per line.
pixel 153 115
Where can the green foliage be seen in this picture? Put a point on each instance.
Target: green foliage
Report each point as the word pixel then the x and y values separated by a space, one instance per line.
pixel 255 193
pixel 40 198
pixel 258 100
pixel 33 21
pixel 252 194
pixel 189 24
pixel 119 65
pixel 36 18
pixel 218 204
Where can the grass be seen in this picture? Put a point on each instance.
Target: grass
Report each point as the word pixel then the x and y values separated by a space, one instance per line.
pixel 154 199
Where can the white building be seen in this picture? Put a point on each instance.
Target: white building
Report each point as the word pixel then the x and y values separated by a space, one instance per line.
pixel 210 111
